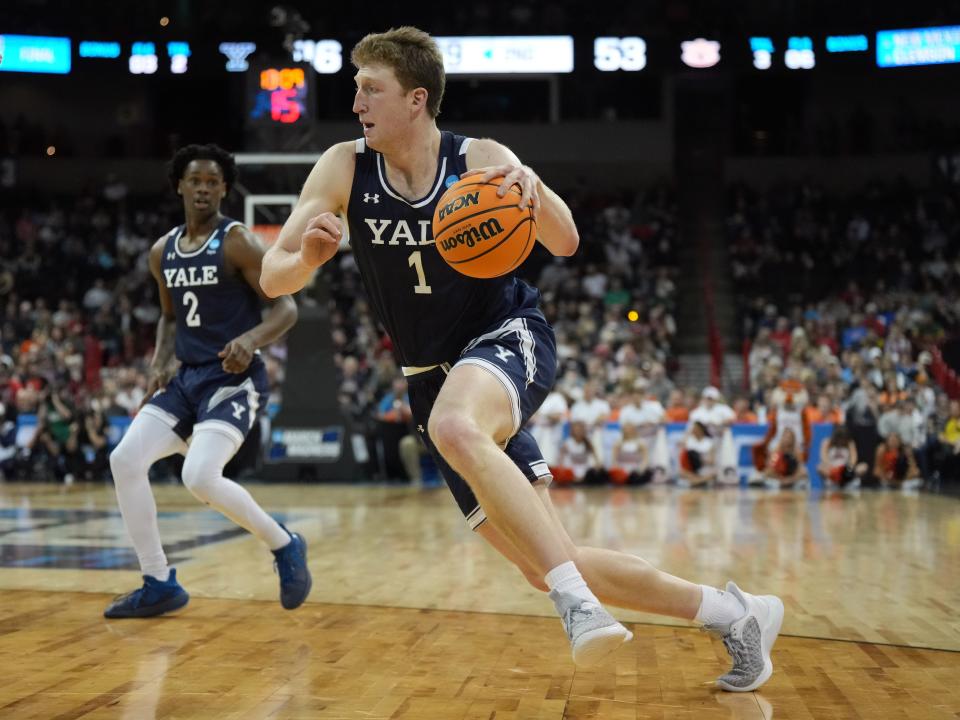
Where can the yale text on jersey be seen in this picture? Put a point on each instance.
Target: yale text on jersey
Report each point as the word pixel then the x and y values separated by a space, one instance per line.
pixel 393 232
pixel 190 276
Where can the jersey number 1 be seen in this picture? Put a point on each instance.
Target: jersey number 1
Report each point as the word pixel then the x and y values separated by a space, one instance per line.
pixel 416 261
pixel 191 301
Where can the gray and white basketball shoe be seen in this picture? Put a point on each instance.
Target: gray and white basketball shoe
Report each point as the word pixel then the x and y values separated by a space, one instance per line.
pixel 749 640
pixel 594 633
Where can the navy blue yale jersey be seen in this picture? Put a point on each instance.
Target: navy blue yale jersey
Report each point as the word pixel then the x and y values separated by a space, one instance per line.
pixel 212 306
pixel 430 311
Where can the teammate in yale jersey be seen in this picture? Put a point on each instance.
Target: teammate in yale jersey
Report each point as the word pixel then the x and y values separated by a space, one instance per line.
pixel 212 325
pixel 478 354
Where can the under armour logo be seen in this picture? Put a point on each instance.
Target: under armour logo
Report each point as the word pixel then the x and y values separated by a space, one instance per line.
pixel 237 409
pixel 171 255
pixel 367 197
pixel 504 354
pixel 420 428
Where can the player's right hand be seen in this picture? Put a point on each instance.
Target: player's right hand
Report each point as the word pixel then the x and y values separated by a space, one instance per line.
pixel 156 380
pixel 320 240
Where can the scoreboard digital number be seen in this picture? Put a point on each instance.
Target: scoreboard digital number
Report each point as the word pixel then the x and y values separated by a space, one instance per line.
pixel 281 96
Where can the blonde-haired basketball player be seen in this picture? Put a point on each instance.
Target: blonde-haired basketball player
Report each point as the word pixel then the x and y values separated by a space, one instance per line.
pixel 479 355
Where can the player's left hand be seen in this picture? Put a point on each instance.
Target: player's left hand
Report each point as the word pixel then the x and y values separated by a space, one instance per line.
pixel 521 175
pixel 237 354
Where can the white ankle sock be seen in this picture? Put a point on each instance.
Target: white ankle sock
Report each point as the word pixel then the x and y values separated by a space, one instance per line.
pixel 718 607
pixel 161 574
pixel 566 578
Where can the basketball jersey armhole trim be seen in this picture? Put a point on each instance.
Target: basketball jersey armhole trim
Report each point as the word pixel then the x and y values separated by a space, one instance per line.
pixel 441 174
pixel 360 146
pixel 465 145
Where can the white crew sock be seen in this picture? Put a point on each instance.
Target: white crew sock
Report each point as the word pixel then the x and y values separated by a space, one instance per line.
pixel 718 607
pixel 566 578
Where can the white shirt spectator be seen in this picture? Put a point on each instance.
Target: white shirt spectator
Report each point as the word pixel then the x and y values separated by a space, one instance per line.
pixel 649 414
pixel 590 412
pixel 130 399
pixel 595 285
pixel 96 297
pixel 547 425
pixel 715 418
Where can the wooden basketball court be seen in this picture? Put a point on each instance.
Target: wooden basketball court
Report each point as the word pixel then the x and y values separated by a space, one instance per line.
pixel 412 616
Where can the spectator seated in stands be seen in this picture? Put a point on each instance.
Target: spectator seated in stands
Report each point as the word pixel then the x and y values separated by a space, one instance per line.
pixel 85 451
pixel 743 415
pixel 396 438
pixel 591 410
pixel 678 407
pixel 579 459
pixel 54 417
pixel 630 457
pixel 698 467
pixel 838 461
pixel 895 466
pixel 546 425
pixel 785 468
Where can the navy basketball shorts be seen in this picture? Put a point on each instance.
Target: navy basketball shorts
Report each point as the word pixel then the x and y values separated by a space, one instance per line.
pixel 521 354
pixel 206 397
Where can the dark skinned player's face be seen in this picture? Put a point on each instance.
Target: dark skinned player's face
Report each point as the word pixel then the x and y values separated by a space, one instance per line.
pixel 202 187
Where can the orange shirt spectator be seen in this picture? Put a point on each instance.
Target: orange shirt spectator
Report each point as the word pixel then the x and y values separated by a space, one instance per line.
pixel 677 409
pixel 744 415
pixel 823 412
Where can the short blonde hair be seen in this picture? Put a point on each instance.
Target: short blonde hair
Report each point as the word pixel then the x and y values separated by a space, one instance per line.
pixel 412 55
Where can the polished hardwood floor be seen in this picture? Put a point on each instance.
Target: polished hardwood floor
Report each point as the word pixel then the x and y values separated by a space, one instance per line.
pixel 412 616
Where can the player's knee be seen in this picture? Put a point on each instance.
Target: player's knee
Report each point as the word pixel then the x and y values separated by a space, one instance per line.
pixel 198 477
pixel 125 463
pixel 453 434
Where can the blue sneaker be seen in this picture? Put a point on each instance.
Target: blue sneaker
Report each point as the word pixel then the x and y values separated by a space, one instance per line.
pixel 291 565
pixel 154 598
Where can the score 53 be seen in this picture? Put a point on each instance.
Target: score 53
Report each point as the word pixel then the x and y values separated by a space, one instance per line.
pixel 619 53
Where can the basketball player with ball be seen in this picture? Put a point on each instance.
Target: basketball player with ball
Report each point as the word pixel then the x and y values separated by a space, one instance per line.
pixel 477 352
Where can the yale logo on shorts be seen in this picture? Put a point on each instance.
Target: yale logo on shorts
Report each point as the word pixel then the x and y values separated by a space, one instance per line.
pixel 472 235
pixel 461 201
pixel 401 231
pixel 190 276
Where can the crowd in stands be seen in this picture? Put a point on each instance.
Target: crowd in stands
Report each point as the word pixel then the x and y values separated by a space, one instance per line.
pixel 858 347
pixel 76 335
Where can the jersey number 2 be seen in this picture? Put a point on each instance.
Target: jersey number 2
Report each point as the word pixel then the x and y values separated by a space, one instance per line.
pixel 191 301
pixel 416 261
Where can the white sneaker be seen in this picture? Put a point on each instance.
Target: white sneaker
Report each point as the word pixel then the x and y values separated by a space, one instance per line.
pixel 594 633
pixel 749 640
pixel 912 484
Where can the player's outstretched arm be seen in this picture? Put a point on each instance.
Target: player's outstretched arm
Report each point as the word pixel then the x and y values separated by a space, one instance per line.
pixel 244 253
pixel 163 364
pixel 556 229
pixel 312 233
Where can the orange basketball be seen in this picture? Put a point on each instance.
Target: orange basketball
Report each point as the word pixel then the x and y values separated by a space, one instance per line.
pixel 480 234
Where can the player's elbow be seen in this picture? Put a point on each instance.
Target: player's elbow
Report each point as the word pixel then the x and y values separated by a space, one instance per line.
pixel 270 279
pixel 566 244
pixel 268 285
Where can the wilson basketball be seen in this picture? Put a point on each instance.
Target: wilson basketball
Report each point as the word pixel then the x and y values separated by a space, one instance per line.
pixel 480 234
